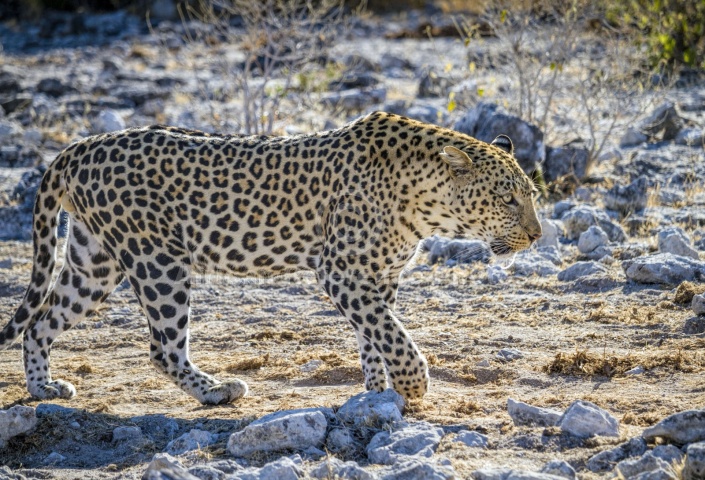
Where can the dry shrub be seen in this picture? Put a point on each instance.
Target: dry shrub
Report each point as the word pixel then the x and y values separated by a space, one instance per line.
pixel 273 335
pixel 338 375
pixel 642 419
pixel 585 363
pixel 251 363
pixel 686 291
pixel 466 407
pixel 85 369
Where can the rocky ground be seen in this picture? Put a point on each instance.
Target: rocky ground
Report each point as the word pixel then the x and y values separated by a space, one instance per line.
pixel 563 359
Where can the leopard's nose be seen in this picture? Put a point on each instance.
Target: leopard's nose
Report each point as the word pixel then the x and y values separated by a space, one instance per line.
pixel 534 236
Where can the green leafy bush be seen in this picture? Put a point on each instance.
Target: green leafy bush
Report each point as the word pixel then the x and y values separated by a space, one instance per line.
pixel 672 30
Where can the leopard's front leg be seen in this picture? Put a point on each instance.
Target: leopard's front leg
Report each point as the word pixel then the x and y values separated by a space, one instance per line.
pixel 379 332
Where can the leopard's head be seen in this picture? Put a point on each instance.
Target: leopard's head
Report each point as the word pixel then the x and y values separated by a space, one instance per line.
pixel 494 198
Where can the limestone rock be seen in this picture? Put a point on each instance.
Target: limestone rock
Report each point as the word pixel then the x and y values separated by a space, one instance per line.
pixel 581 269
pixel 372 409
pixel 192 440
pixel 107 121
pixel 695 461
pixel 664 268
pixel 681 428
pixel 580 218
pixel 551 231
pixel 15 421
pixel 674 240
pixel 406 440
pixel 525 414
pixel 585 419
pixel 560 468
pixel 698 304
pixel 332 467
pixel 646 463
pixel 288 430
pixel 471 439
pixel 591 239
pixel 628 199
pixel 607 459
pixel 417 470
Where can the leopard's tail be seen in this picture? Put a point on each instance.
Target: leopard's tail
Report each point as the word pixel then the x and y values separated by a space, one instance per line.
pixel 44 234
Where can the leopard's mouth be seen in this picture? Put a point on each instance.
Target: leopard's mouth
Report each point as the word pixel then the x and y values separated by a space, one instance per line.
pixel 500 246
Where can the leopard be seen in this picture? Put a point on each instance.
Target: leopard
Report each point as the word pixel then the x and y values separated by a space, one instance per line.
pixel 155 206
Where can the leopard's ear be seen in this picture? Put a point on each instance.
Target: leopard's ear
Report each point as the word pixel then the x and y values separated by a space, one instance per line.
pixel 503 142
pixel 459 162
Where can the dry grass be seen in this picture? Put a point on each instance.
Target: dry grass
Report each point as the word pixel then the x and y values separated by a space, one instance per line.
pixel 273 335
pixel 467 407
pixel 686 291
pixel 250 363
pixel 585 363
pixel 338 375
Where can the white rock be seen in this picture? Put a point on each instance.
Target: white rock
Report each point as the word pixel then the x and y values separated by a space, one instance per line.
pixel 592 238
pixel 669 453
pixel 417 470
pixel 407 440
pixel 164 460
pixel 627 199
pixel 126 433
pixel 585 419
pixel 471 439
pixel 525 414
pixel 693 137
pixel 560 468
pixel 674 240
pixel 32 136
pixel 107 121
pixel 491 474
pixel 521 475
pixel 638 370
pixel 332 467
pixel 646 463
pixel 192 440
pixel 607 459
pixel 632 138
pixel 288 430
pixel 53 458
pixel 8 130
pixel 695 461
pixel 530 263
pixel 496 274
pixel 578 219
pixel 311 366
pixel 14 421
pixel 551 231
pixel 682 427
pixel 341 440
pixel 283 469
pixel 579 270
pixel 663 268
pixel 372 409
pixel 164 466
pixel 698 304
pixel 510 354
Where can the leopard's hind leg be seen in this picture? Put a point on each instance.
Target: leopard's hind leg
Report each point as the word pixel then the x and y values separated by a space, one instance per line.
pixel 161 281
pixel 88 276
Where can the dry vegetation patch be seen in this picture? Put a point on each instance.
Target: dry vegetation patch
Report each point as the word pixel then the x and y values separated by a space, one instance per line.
pixel 586 363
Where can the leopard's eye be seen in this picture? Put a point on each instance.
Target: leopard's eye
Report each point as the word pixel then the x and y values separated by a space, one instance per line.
pixel 508 199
